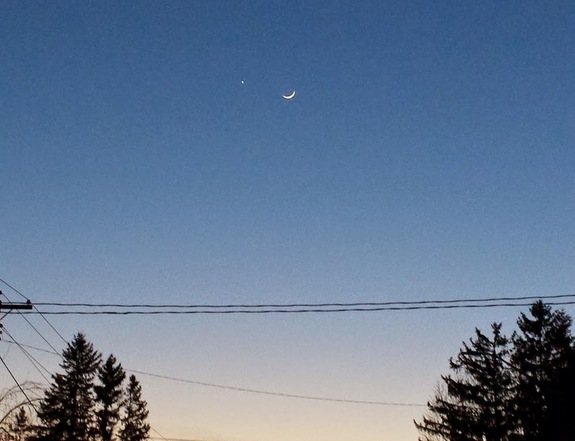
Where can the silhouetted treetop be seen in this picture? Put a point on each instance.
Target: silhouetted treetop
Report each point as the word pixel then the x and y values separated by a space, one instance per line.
pixel 88 400
pixel 509 389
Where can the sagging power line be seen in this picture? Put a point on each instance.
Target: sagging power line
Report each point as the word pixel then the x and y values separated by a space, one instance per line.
pixel 249 390
pixel 278 394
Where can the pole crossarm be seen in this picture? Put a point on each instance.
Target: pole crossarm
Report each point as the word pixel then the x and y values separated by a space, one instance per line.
pixel 14 305
pixel 10 305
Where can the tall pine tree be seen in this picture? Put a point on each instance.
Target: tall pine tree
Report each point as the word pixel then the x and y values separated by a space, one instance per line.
pixel 67 410
pixel 475 404
pixel 543 350
pixel 134 420
pixel 109 397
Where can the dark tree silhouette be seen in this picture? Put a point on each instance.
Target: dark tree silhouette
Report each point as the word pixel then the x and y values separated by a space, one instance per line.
pixel 523 391
pixel 543 350
pixel 20 428
pixel 67 411
pixel 76 407
pixel 134 420
pixel 475 404
pixel 561 402
pixel 109 397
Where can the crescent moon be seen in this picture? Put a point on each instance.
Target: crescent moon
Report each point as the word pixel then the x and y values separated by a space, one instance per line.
pixel 289 97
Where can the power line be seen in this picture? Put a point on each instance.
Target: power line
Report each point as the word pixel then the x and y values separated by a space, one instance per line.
pixel 157 433
pixel 37 365
pixel 247 390
pixel 14 289
pixel 51 326
pixel 18 384
pixel 277 394
pixel 300 310
pixel 30 347
pixel 304 305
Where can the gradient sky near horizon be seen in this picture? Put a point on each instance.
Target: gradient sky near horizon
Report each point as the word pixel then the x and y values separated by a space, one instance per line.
pixel 147 156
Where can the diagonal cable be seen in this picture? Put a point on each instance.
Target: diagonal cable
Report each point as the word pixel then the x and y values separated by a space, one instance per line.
pixel 30 357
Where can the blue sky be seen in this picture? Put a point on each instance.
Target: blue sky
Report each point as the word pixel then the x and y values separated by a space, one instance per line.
pixel 147 156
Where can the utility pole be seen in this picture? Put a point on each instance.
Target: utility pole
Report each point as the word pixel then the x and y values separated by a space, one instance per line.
pixel 10 306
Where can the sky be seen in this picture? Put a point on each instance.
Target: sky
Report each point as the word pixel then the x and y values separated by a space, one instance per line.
pixel 147 156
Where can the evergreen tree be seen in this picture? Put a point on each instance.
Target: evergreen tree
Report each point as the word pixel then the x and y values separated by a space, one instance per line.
pixel 67 410
pixel 20 428
pixel 542 353
pixel 525 392
pixel 109 397
pixel 475 404
pixel 134 420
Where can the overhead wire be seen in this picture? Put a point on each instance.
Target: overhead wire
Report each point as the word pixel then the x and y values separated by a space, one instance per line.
pixel 297 311
pixel 157 433
pixel 305 305
pixel 14 289
pixel 31 347
pixel 254 391
pixel 18 384
pixel 277 394
pixel 30 357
